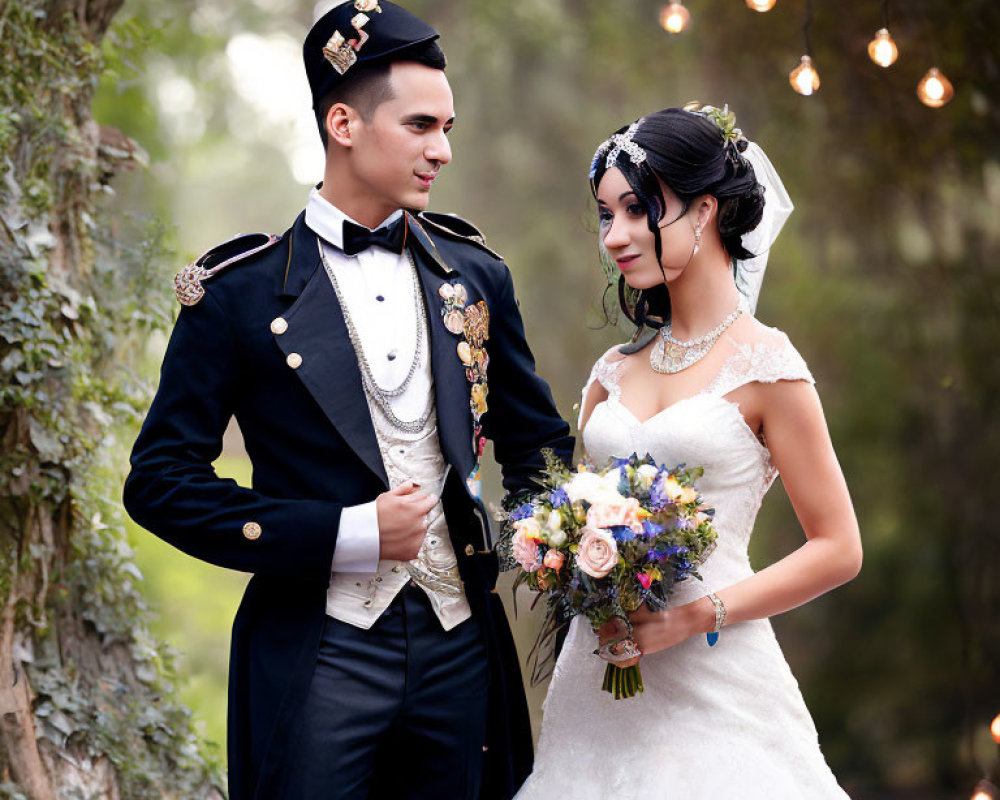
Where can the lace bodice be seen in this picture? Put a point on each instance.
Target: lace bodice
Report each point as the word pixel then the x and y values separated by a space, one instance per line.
pixel 705 429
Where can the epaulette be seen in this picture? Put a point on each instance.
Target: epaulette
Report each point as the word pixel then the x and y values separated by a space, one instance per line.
pixel 188 282
pixel 455 227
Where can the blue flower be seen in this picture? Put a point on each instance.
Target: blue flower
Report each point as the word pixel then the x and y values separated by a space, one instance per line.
pixel 683 524
pixel 622 533
pixel 558 497
pixel 619 462
pixel 651 529
pixel 522 512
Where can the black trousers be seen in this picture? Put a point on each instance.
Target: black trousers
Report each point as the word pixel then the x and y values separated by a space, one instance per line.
pixel 395 712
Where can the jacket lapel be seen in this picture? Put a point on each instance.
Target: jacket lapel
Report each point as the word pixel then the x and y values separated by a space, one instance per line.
pixel 451 388
pixel 317 332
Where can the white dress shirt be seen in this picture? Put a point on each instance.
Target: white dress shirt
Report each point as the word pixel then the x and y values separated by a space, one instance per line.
pixel 377 287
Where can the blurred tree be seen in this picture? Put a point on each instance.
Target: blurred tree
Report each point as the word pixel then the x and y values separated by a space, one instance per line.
pixel 85 703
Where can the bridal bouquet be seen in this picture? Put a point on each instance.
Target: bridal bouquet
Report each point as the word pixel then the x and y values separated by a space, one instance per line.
pixel 601 542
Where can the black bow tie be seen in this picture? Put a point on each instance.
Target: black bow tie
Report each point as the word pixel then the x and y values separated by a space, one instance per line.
pixel 357 238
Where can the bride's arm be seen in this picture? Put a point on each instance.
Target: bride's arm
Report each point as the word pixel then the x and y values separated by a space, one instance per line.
pixel 594 394
pixel 800 447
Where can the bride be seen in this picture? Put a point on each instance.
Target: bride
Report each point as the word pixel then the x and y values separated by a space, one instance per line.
pixel 686 204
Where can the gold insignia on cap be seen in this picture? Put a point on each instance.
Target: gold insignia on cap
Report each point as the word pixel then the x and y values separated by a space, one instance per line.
pixel 368 5
pixel 251 531
pixel 469 549
pixel 278 326
pixel 294 360
pixel 343 54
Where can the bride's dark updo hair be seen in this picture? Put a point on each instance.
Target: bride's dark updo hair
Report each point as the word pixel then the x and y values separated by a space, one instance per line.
pixel 691 155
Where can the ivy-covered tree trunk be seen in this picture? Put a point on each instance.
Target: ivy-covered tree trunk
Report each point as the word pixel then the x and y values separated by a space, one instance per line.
pixel 86 707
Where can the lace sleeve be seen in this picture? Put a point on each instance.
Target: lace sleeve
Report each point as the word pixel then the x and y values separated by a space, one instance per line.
pixel 769 361
pixel 604 372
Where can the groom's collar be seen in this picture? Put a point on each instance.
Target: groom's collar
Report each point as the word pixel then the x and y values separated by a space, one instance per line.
pixel 327 221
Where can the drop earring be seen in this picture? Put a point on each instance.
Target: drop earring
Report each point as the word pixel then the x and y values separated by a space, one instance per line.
pixel 697 242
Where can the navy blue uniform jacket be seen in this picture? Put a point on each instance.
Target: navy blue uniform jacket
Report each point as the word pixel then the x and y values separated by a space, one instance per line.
pixel 310 438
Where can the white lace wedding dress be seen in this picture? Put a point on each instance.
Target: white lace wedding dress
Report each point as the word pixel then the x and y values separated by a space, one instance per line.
pixel 722 722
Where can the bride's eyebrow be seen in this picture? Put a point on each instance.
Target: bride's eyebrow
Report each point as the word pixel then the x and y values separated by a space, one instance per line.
pixel 621 197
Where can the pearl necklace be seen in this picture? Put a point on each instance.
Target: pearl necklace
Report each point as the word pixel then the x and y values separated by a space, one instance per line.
pixel 670 355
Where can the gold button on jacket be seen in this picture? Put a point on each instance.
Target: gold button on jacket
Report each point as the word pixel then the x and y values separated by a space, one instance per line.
pixel 294 360
pixel 251 530
pixel 279 325
pixel 469 549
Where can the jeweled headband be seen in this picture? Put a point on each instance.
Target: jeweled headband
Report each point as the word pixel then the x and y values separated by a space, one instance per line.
pixel 616 145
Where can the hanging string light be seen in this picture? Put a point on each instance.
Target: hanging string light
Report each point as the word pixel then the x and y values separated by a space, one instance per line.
pixel 674 18
pixel 934 89
pixel 984 791
pixel 761 5
pixel 882 49
pixel 995 729
pixel 804 78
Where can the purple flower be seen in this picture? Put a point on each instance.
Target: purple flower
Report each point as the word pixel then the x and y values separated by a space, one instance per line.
pixel 522 512
pixel 658 497
pixel 651 529
pixel 558 497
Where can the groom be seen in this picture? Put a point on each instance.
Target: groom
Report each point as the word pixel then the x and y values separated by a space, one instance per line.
pixel 367 354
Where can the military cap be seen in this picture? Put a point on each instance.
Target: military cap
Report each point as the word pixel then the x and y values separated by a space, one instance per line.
pixel 354 33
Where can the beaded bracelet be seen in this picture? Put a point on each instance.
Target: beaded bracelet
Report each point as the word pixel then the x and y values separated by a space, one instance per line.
pixel 720 619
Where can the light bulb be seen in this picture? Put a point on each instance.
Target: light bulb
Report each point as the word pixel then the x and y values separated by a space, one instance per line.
pixel 995 729
pixel 981 795
pixel 761 5
pixel 674 18
pixel 935 90
pixel 804 78
pixel 882 49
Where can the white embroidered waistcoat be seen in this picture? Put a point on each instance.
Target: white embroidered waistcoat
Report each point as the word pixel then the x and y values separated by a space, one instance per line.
pixel 359 598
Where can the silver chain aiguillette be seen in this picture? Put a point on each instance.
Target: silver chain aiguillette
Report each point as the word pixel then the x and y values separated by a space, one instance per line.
pixel 380 395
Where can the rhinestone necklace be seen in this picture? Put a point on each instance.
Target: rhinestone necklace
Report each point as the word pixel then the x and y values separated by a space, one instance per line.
pixel 670 355
pixel 380 395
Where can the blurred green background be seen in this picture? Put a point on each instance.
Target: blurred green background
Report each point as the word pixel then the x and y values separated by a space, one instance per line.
pixel 886 278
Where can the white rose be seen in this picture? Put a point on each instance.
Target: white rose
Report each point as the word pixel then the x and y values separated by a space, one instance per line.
pixel 582 486
pixel 554 522
pixel 557 538
pixel 647 474
pixel 612 478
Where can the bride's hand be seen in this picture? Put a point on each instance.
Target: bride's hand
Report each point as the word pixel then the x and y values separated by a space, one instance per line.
pixel 658 630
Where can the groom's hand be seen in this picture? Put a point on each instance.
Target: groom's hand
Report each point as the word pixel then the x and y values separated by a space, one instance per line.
pixel 402 521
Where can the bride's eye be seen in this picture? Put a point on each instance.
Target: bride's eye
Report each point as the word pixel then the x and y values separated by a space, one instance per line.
pixel 604 216
pixel 636 210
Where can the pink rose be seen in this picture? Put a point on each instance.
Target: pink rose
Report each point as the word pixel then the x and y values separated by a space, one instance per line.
pixel 605 515
pixel 597 552
pixel 554 560
pixel 526 551
pixel 644 579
